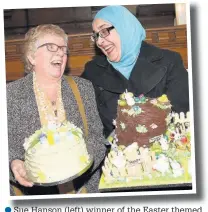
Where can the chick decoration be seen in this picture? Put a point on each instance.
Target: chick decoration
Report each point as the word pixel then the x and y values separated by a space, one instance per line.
pixel 163 98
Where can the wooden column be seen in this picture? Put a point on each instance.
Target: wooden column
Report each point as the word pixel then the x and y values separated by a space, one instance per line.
pixel 180 11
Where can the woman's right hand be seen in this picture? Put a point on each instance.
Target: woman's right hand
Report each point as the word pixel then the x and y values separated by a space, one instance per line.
pixel 19 172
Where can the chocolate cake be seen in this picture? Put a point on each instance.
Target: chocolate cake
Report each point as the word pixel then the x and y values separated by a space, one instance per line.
pixel 149 147
pixel 140 119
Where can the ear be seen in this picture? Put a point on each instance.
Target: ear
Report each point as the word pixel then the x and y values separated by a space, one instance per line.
pixel 31 59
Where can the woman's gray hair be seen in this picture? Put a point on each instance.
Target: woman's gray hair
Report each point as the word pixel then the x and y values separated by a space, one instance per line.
pixel 33 35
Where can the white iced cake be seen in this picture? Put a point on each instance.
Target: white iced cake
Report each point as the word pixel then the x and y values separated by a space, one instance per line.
pixel 55 153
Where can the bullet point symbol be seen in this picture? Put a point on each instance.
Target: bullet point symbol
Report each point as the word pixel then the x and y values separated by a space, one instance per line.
pixel 8 209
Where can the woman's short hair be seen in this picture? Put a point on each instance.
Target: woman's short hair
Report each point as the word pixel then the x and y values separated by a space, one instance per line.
pixel 33 35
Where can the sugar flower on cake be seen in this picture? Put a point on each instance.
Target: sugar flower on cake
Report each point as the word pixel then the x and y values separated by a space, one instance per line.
pixel 161 102
pixel 126 98
pixel 123 126
pixel 142 99
pixel 141 128
pixel 122 102
pixel 51 134
pixel 153 126
pixel 32 140
pixel 153 101
pixel 163 98
pixel 130 101
pixel 134 111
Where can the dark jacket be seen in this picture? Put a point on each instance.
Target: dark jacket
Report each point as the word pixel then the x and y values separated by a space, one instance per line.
pixel 156 72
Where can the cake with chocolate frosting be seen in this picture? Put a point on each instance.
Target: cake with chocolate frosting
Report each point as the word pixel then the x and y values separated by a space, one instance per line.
pixel 141 119
pixel 149 147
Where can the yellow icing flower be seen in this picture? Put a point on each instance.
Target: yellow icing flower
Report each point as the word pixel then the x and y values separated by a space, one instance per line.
pixel 163 98
pixel 83 159
pixel 42 176
pixel 50 138
pixel 122 102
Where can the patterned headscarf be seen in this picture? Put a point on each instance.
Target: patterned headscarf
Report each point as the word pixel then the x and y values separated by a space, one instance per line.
pixel 131 34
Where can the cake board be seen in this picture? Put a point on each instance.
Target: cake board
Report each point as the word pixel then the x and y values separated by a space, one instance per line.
pixel 154 184
pixel 67 179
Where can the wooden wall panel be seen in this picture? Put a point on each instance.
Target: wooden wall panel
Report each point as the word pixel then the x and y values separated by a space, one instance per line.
pixel 172 38
pixel 15 70
pixel 76 63
pixel 82 49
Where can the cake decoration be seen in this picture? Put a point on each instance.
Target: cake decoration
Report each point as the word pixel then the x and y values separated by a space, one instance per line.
pixel 141 128
pixel 153 126
pixel 153 146
pixel 150 117
pixel 161 102
pixel 55 153
pixel 123 126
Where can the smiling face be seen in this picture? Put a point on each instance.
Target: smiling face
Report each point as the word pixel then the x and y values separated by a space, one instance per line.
pixel 47 64
pixel 110 45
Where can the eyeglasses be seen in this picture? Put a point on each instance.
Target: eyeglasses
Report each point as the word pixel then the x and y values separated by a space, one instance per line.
pixel 52 47
pixel 102 33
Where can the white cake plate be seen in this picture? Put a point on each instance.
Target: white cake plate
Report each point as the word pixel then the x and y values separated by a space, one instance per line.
pixel 69 178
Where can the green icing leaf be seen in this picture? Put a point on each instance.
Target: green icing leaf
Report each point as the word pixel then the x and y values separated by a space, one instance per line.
pixel 123 126
pixel 141 128
pixel 34 142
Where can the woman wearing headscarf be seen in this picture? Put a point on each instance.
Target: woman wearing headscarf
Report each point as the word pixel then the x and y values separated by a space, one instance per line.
pixel 45 96
pixel 131 63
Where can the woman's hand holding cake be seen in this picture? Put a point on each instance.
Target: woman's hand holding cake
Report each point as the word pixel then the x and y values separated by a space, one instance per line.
pixel 19 172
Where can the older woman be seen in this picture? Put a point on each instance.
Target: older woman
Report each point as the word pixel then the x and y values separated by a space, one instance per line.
pixel 131 63
pixel 43 97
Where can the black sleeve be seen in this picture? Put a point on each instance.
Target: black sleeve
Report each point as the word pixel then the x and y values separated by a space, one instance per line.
pixel 177 88
pixel 86 73
pixel 102 98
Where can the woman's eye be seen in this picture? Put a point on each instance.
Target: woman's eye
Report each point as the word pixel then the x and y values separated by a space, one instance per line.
pixel 51 46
